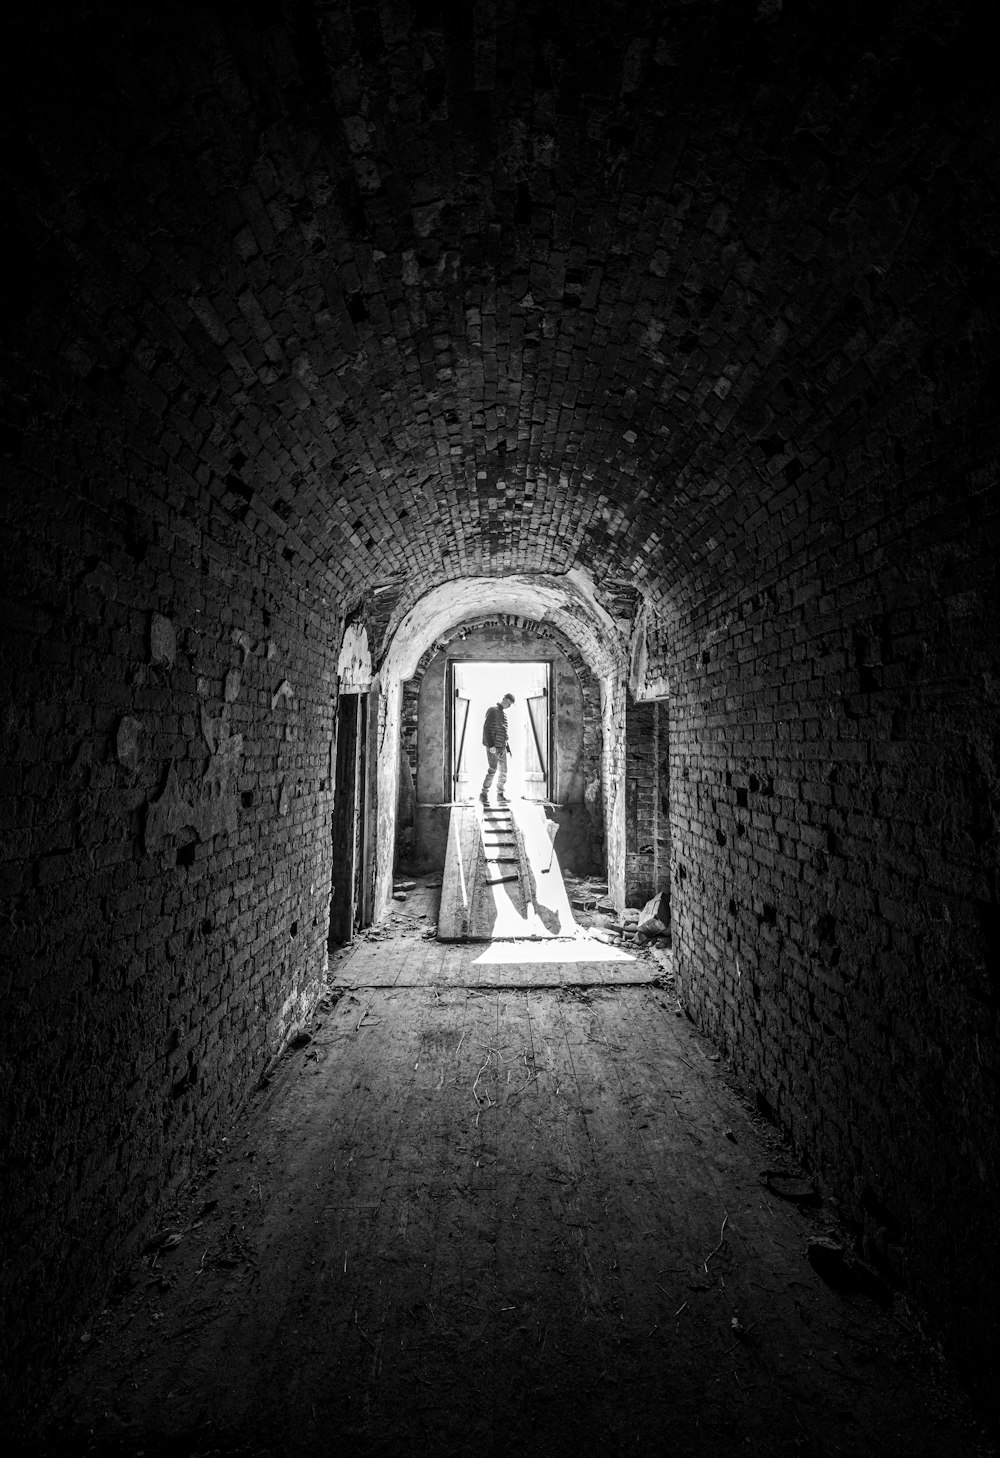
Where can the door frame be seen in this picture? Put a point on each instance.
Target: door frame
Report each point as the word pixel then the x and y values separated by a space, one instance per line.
pixel 352 888
pixel 455 754
pixel 449 769
pixel 546 752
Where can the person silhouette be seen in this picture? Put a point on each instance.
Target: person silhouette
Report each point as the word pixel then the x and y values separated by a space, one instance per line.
pixel 497 749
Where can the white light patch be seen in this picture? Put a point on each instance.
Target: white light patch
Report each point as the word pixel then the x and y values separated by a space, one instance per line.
pixel 551 949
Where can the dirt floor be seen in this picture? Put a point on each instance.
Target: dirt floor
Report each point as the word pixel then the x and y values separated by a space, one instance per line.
pixel 497 1207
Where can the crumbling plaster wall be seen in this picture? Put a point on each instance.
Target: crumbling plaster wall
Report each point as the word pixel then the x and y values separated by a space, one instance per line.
pixel 166 804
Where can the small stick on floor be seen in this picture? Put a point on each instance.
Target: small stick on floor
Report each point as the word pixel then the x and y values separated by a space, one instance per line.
pixel 521 1087
pixel 364 1334
pixel 722 1237
pixel 478 1077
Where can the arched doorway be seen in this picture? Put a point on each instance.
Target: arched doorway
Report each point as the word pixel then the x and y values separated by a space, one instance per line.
pixel 555 728
pixel 565 604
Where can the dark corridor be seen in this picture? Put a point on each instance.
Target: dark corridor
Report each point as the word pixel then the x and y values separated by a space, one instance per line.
pixel 654 340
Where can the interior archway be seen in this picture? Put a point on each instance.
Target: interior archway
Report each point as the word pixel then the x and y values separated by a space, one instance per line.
pixel 505 647
pixel 570 604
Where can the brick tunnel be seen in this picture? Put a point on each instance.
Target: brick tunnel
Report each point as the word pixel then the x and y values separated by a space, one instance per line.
pixel 655 344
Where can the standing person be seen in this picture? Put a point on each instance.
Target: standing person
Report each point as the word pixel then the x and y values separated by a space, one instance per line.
pixel 497 749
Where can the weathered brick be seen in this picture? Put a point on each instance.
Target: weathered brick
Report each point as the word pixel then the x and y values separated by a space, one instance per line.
pixel 254 394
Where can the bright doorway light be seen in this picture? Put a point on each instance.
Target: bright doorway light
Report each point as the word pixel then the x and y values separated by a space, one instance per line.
pixel 475 687
pixel 556 949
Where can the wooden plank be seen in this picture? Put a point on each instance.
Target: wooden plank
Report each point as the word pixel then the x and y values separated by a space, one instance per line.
pixel 461 872
pixel 533 905
pixel 498 908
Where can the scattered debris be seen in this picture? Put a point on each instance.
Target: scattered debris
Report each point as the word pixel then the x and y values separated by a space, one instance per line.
pixel 839 1269
pixel 790 1187
pixel 664 956
pixel 654 919
pixel 234 1253
pixel 209 1284
pixel 163 1240
pixel 722 1237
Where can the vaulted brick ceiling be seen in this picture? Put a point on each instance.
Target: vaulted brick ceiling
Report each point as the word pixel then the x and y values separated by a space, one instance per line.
pixel 507 287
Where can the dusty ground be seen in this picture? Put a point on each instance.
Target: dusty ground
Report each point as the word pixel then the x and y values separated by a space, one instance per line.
pixel 498 1208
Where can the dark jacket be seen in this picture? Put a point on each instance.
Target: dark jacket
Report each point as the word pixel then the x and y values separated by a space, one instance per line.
pixel 495 729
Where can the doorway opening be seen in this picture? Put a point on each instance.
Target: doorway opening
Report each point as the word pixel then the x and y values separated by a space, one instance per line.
pixel 353 865
pixel 473 687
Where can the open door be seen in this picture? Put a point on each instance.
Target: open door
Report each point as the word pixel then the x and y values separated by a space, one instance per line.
pixel 474 685
pixel 537 746
pixel 459 741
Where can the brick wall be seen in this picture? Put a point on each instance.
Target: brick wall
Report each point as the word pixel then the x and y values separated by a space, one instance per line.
pixel 835 857
pixel 647 823
pixel 622 289
pixel 165 799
